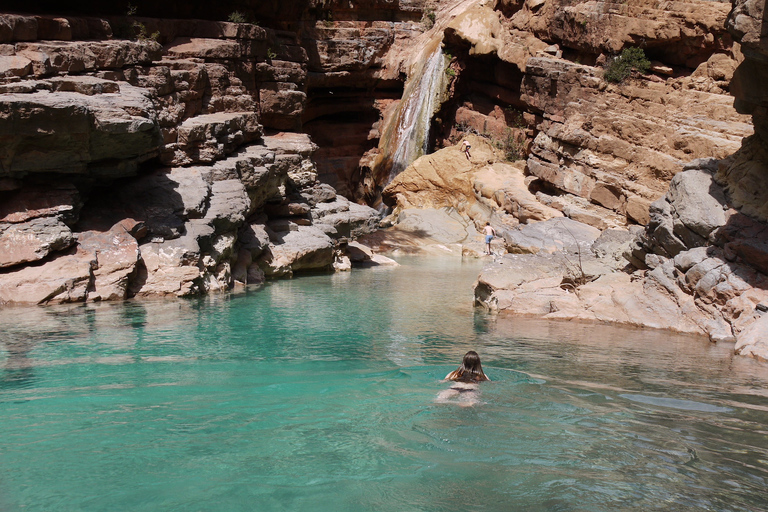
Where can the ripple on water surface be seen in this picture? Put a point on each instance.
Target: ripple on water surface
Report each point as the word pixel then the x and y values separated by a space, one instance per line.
pixel 318 394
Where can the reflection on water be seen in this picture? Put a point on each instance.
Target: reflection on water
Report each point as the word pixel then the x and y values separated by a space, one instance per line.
pixel 318 394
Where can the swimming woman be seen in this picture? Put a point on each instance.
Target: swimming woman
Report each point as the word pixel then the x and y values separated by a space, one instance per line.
pixel 465 380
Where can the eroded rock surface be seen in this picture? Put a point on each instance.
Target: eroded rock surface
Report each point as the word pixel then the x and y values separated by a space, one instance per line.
pixel 164 181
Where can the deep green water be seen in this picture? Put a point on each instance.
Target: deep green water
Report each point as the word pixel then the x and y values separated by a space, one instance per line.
pixel 317 394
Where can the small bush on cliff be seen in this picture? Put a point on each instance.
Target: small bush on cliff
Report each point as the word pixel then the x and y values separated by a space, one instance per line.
pixel 620 68
pixel 141 34
pixel 236 17
pixel 514 146
pixel 428 19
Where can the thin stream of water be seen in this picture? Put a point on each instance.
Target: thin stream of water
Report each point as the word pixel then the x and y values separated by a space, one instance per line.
pixel 410 133
pixel 318 394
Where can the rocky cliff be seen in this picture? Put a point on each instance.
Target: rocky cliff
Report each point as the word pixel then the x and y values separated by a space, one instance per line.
pixel 153 155
pixel 698 266
pixel 142 166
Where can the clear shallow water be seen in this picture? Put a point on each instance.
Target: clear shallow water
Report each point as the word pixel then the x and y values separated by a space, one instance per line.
pixel 318 394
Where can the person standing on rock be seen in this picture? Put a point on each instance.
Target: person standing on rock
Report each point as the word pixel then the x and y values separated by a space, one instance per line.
pixel 465 148
pixel 489 234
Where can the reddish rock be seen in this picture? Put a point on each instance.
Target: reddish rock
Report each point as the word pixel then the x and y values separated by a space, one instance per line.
pixel 63 279
pixel 32 240
pixel 14 65
pixel 32 202
pixel 116 253
pixel 14 27
pixel 281 105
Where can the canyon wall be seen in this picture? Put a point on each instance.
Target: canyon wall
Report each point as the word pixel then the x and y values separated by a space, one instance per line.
pixel 147 155
pixel 159 164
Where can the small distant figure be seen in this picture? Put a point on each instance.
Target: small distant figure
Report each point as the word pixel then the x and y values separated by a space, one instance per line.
pixel 465 380
pixel 489 234
pixel 465 148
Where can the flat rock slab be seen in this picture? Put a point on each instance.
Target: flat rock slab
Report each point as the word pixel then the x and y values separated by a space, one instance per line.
pixel 195 47
pixel 550 236
pixel 68 131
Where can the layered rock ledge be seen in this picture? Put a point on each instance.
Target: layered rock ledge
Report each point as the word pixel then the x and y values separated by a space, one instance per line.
pixel 129 168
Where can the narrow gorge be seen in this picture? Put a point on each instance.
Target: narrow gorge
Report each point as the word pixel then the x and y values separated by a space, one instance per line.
pixel 152 150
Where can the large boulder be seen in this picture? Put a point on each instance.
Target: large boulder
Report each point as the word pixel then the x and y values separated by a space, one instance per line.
pixel 116 255
pixel 752 340
pixel 305 248
pixel 504 184
pixel 172 267
pixel 100 134
pixel 551 236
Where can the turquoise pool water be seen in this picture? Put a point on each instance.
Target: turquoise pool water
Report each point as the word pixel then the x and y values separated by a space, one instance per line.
pixel 317 394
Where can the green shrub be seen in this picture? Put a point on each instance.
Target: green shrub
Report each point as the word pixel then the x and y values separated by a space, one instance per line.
pixel 428 19
pixel 620 68
pixel 514 147
pixel 141 34
pixel 236 17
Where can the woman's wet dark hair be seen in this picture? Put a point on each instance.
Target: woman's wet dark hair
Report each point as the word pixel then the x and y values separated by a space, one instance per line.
pixel 470 370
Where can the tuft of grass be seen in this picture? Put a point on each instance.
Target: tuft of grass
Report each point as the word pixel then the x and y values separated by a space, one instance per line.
pixel 620 68
pixel 236 17
pixel 140 30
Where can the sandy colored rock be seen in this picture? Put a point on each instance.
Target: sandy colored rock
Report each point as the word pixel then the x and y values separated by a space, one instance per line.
pixel 442 179
pixel 618 146
pixel 505 184
pixel 752 340
pixel 609 27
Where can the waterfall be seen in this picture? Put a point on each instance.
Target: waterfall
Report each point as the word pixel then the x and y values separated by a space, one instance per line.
pixel 408 133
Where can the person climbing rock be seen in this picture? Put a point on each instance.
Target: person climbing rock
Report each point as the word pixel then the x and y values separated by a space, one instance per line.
pixel 489 233
pixel 465 148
